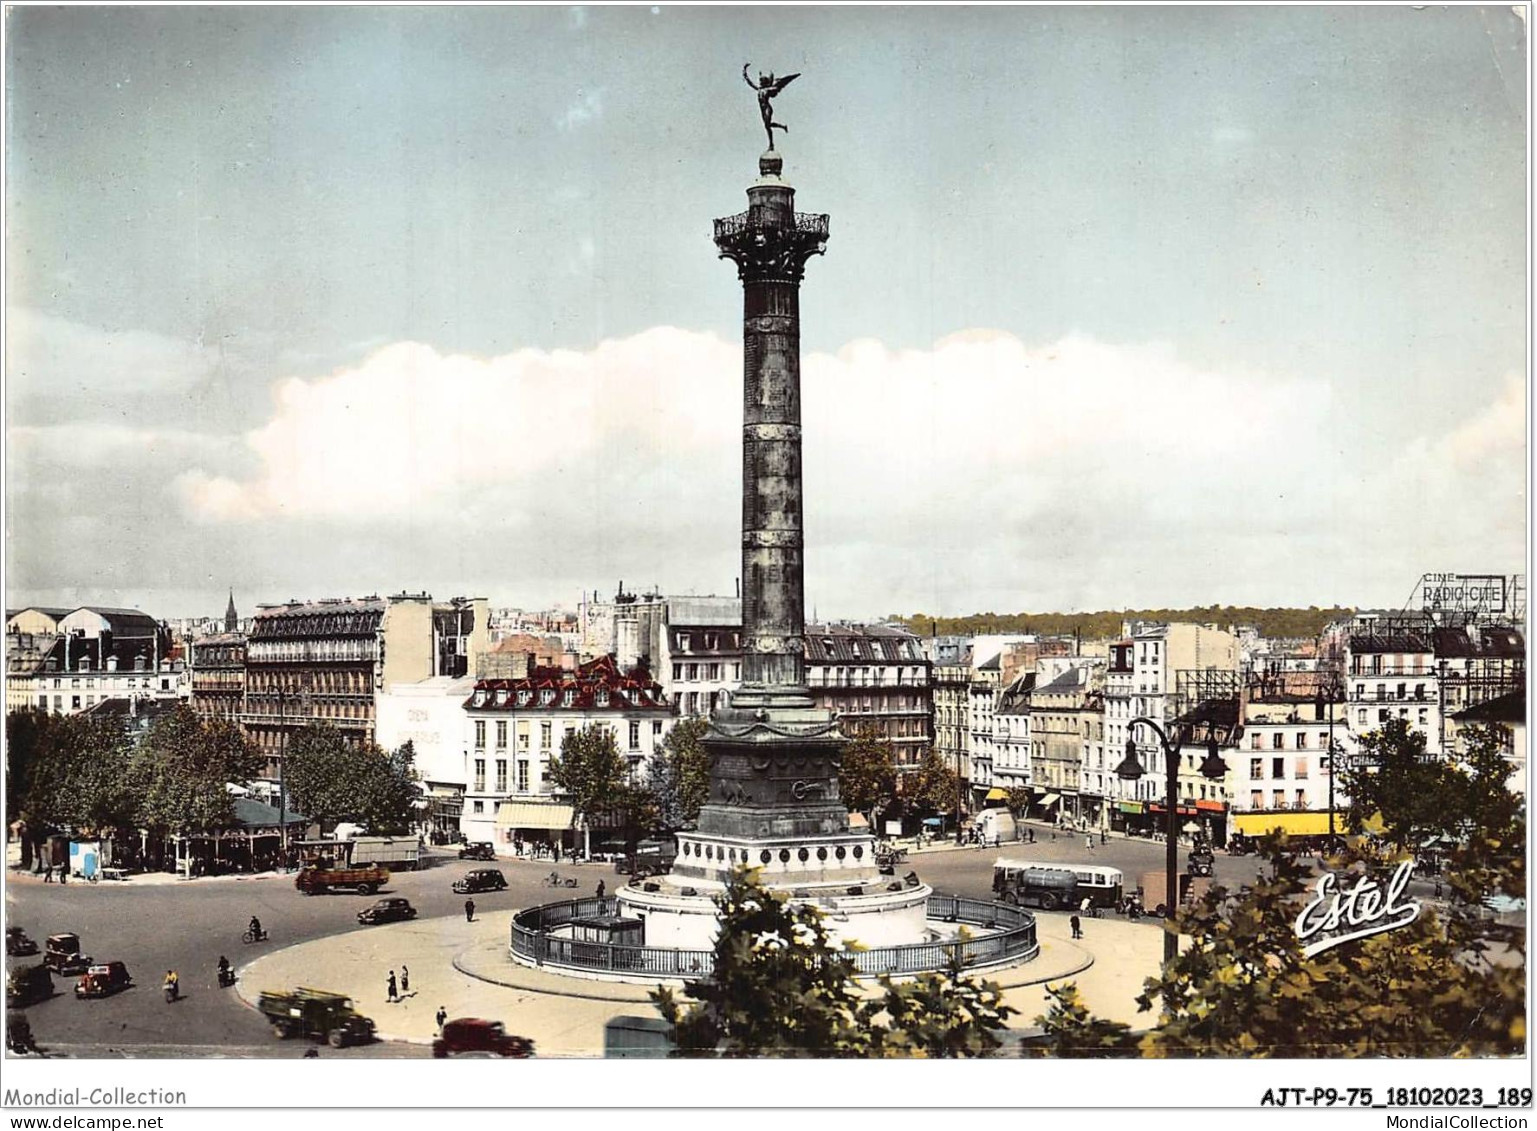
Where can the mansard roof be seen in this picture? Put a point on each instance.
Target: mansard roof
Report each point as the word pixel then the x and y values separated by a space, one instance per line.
pixel 625 690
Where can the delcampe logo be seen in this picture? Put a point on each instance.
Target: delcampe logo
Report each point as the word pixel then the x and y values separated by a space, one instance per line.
pixel 1368 908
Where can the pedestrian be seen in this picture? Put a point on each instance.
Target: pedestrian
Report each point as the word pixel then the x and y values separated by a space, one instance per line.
pixel 1104 837
pixel 405 979
pixel 1077 926
pixel 442 1017
pixel 602 887
pixel 1089 843
pixel 48 874
pixel 390 988
pixel 556 849
pixel 469 910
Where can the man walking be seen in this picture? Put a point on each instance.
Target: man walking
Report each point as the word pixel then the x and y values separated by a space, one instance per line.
pixel 390 993
pixel 405 979
pixel 1077 926
pixel 469 910
pixel 442 1017
pixel 602 887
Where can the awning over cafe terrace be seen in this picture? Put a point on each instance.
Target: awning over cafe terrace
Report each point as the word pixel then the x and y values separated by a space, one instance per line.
pixel 534 815
pixel 1292 824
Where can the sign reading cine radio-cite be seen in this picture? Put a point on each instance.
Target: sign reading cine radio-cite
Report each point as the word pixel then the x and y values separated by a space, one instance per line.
pixel 1463 592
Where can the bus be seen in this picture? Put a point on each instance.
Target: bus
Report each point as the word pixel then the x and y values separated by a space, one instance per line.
pixel 1101 886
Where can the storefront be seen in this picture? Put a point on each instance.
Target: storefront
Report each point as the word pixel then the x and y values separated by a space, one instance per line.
pixel 1129 817
pixel 533 822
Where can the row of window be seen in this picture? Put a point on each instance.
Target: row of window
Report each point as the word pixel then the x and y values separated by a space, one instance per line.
pixel 1278 768
pixel 1277 799
pixel 1383 693
pixel 1278 740
pixel 546 734
pixel 709 672
pixel 1384 714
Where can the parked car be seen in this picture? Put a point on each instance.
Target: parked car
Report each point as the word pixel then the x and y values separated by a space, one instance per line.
pixel 472 1034
pixel 27 984
pixel 17 944
pixel 479 850
pixel 62 955
pixel 481 879
pixel 387 911
pixel 103 979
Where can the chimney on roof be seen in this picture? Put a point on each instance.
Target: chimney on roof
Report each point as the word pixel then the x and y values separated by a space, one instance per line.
pixel 569 662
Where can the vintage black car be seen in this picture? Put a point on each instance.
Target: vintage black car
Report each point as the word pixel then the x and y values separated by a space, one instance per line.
pixel 480 850
pixel 17 944
pixel 481 879
pixel 62 955
pixel 387 911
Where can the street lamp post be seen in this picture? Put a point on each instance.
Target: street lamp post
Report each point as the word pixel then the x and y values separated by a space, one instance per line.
pixel 1130 770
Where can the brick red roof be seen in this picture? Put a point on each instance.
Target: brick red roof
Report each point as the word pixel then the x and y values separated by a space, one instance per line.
pixel 590 685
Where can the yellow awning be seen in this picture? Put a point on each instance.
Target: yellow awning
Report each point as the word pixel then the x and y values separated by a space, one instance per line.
pixel 1292 824
pixel 1050 799
pixel 857 821
pixel 996 794
pixel 534 815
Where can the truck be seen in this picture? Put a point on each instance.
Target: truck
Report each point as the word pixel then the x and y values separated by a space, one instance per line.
pixel 319 879
pixel 317 1014
pixel 399 852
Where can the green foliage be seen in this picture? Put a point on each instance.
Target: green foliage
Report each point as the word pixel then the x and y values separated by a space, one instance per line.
pixel 678 775
pixel 67 770
pixel 867 774
pixel 1017 800
pixel 181 768
pixel 781 988
pixel 331 780
pixel 933 787
pixel 591 772
pixel 1417 797
pixel 1280 623
pixel 1437 987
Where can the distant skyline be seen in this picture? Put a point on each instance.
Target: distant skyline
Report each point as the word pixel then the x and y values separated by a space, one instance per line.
pixel 1122 307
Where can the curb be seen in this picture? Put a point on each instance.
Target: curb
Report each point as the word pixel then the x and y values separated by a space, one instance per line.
pixel 525 988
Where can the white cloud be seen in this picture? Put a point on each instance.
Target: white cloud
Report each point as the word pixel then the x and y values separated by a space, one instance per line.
pixel 51 362
pixel 981 472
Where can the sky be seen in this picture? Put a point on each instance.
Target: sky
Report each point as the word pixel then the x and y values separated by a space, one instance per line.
pixel 1121 307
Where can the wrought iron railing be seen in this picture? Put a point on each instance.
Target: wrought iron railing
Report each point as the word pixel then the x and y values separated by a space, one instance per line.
pixel 812 223
pixel 1003 934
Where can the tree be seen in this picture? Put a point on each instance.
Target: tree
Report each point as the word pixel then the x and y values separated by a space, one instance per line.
pixel 182 769
pixel 1017 800
pixel 867 775
pixel 66 771
pixel 780 987
pixel 331 780
pixel 387 791
pixel 933 787
pixel 592 774
pixel 1417 796
pixel 1243 987
pixel 316 774
pixel 678 775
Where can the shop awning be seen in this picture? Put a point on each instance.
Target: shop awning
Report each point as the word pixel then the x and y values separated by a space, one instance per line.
pixel 1050 799
pixel 534 815
pixel 933 822
pixel 1292 824
pixel 1184 810
pixel 1210 806
pixel 996 794
pixel 857 821
pixel 1129 806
